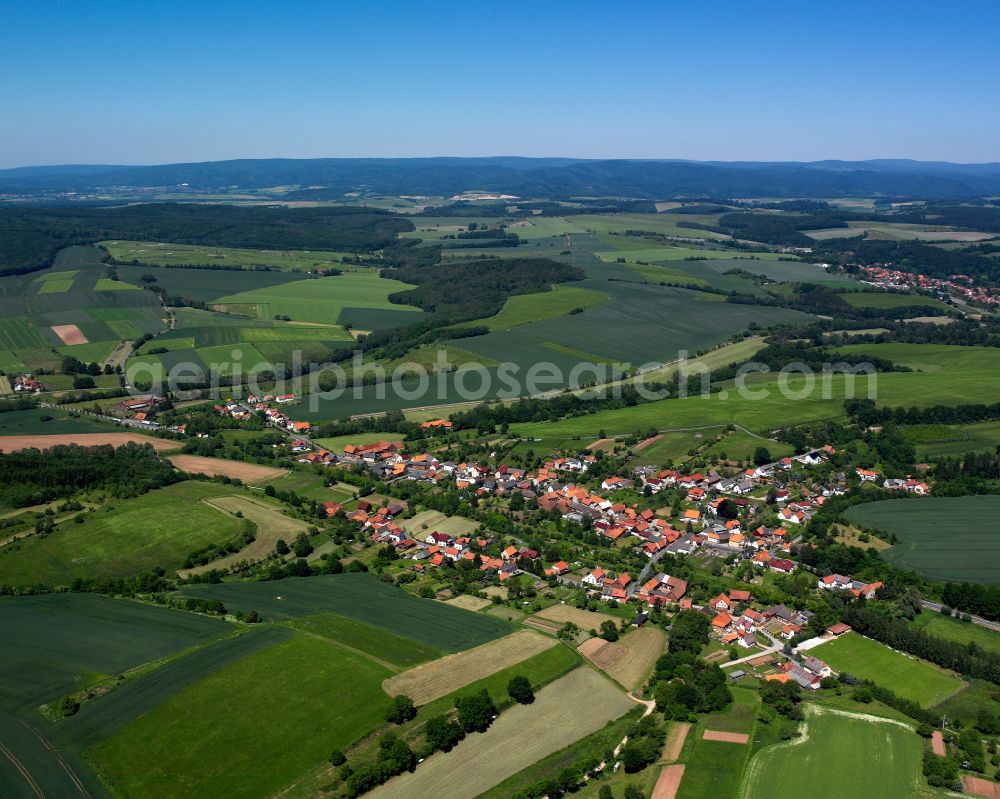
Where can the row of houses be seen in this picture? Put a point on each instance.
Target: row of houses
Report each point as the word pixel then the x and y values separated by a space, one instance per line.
pixel 237 409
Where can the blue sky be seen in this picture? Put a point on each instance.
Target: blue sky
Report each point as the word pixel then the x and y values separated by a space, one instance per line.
pixel 158 82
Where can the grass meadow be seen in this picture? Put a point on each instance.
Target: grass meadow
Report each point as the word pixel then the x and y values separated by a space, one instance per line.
pixel 909 677
pixel 946 538
pixel 122 538
pixel 962 632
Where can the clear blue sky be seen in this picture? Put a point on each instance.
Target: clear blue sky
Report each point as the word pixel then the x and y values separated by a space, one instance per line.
pixel 155 81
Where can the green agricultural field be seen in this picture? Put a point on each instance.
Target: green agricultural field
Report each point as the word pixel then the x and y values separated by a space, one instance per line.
pixel 673 447
pixel 123 537
pixel 47 421
pixel 364 598
pixel 935 357
pixel 150 687
pixel 946 538
pixel 671 253
pixel 740 446
pixel 962 632
pixel 839 756
pixel 782 271
pixel 713 768
pixel 935 441
pixel 260 737
pixel 526 308
pixel 397 652
pixel 902 231
pixel 56 643
pixel 890 299
pixel 159 254
pixel 775 410
pixel 54 286
pixel 665 224
pixel 207 285
pixel 106 284
pixel 909 677
pixel 323 299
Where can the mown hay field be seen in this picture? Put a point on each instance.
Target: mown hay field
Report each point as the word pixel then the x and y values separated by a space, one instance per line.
pixel 521 736
pixel 584 619
pixel 14 443
pixel 430 521
pixel 445 675
pixel 240 470
pixel 629 660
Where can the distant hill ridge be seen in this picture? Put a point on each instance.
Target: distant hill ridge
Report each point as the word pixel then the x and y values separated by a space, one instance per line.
pixel 531 177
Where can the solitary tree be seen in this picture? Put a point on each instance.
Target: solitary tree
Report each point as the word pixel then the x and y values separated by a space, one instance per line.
pixel 519 689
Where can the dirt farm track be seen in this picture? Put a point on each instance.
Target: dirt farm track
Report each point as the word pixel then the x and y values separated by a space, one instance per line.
pixel 14 443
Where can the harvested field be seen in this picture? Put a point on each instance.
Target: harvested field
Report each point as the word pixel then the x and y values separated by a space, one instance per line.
pixel 522 735
pixel 430 521
pixel 271 523
pixel 669 781
pixel 445 675
pixel 980 787
pixel 591 647
pixel 937 744
pixel 247 472
pixel 70 334
pixel 602 443
pixel 727 737
pixel 467 602
pixel 14 443
pixel 629 659
pixel 675 740
pixel 646 443
pixel 584 619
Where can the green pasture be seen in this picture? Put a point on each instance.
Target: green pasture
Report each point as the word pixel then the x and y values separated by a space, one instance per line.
pixel 207 285
pixel 122 537
pixel 946 538
pixel 914 679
